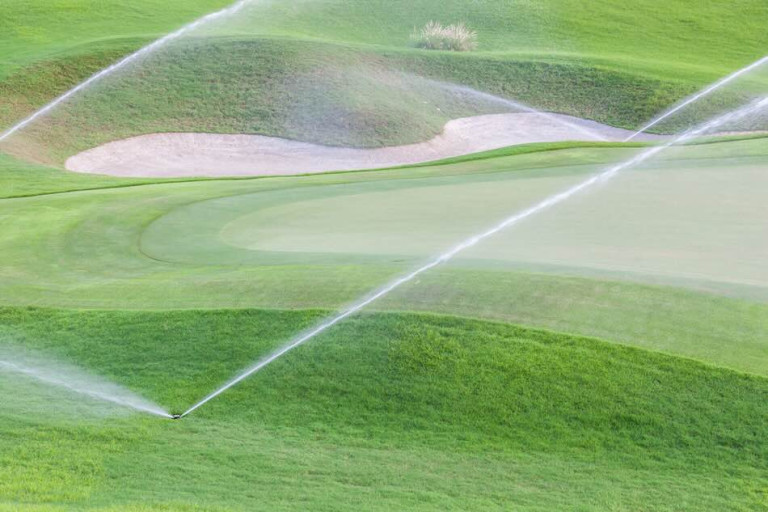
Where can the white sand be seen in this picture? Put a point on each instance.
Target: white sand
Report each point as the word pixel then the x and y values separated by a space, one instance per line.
pixel 203 154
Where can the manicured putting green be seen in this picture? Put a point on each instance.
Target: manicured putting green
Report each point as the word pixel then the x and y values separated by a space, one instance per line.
pixel 700 221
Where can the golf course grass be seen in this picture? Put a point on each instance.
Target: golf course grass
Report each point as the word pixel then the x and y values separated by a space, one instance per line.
pixel 388 411
pixel 609 354
pixel 322 241
pixel 344 73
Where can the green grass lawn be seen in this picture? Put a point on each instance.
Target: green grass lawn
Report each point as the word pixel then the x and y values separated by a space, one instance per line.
pixel 174 246
pixel 646 222
pixel 676 32
pixel 171 287
pixel 386 411
pixel 327 70
pixel 325 93
pixel 41 30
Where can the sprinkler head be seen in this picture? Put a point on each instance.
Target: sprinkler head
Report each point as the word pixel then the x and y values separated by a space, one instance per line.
pixel 176 417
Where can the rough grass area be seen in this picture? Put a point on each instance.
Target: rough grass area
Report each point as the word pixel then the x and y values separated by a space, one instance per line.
pixel 327 94
pixel 558 56
pixel 436 36
pixel 384 412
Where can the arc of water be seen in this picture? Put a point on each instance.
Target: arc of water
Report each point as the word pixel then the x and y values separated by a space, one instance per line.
pixel 699 95
pixel 518 106
pixel 474 240
pixel 54 380
pixel 227 11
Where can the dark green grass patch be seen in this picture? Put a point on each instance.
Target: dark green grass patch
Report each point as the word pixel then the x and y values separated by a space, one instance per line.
pixel 322 93
pixel 379 411
pixel 289 70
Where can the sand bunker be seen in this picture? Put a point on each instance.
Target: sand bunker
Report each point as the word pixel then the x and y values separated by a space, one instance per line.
pixel 203 154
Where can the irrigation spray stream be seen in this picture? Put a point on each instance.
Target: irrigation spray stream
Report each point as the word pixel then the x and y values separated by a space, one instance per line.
pixel 491 98
pixel 73 381
pixel 547 203
pixel 228 11
pixel 699 95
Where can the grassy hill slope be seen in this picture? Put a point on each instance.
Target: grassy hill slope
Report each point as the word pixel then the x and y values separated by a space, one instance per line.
pixel 387 411
pixel 558 55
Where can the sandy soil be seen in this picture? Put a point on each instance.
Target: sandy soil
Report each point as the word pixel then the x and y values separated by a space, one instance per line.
pixel 203 154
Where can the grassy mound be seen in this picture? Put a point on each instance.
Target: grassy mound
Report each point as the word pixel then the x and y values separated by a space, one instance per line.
pixel 387 411
pixel 290 70
pixel 326 93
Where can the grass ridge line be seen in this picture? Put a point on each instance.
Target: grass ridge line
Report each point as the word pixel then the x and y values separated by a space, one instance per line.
pixel 323 312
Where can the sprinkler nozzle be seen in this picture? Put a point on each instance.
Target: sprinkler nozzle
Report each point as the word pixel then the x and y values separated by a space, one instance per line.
pixel 176 417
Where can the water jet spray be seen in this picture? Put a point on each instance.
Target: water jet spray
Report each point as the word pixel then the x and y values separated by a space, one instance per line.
pixel 228 11
pixel 516 105
pixel 700 95
pixel 545 204
pixel 75 381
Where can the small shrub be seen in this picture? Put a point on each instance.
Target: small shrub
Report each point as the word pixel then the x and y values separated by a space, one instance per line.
pixel 435 36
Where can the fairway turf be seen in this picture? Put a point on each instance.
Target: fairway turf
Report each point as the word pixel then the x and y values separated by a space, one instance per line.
pixel 609 355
